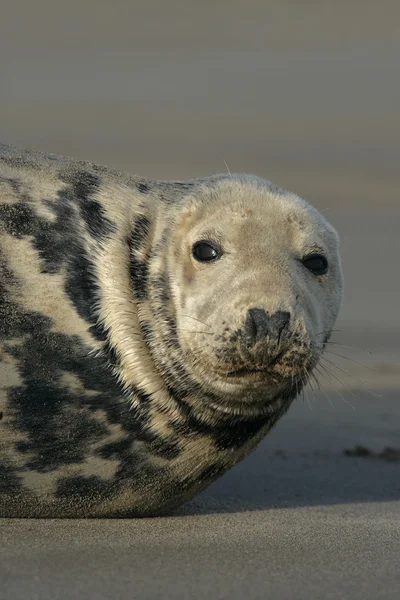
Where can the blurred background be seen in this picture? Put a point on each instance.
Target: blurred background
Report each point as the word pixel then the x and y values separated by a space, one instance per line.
pixel 306 94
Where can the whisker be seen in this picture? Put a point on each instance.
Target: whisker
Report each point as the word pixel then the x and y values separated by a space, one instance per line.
pixel 302 393
pixel 307 397
pixel 330 331
pixel 352 360
pixel 315 379
pixel 336 389
pixel 350 347
pixel 322 389
pixel 342 382
pixel 306 381
pixel 192 331
pixel 198 320
pixel 350 376
pixel 227 168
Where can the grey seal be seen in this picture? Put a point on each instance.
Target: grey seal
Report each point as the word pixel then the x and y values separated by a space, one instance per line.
pixel 151 333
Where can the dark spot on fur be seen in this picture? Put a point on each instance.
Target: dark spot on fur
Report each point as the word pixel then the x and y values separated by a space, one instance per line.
pixel 109 351
pixel 17 188
pixel 161 307
pixel 55 241
pixel 6 280
pixel 143 397
pixel 165 447
pixel 14 322
pixel 90 488
pixel 84 291
pixel 171 323
pixel 51 240
pixel 85 185
pixel 49 448
pixel 10 483
pixel 96 221
pixel 138 273
pixel 114 450
pixel 175 191
pixel 147 331
pixel 132 464
pixel 161 289
pixel 140 231
pixel 138 267
pixel 1 415
pixel 237 433
pixel 18 219
pixel 210 472
pixel 143 188
pixel 227 434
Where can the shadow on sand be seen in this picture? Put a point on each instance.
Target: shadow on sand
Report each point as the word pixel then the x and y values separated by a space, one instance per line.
pixel 291 481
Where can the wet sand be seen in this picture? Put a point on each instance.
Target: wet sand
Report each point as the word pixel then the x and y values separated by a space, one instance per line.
pixel 307 97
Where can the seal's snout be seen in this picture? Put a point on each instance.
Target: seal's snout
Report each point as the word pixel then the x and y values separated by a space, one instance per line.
pixel 260 325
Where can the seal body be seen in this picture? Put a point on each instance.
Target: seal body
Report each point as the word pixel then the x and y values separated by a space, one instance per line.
pixel 151 333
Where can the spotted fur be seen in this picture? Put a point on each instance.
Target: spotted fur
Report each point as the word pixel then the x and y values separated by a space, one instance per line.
pixel 116 346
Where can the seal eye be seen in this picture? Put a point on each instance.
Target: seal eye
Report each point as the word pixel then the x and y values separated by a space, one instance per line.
pixel 205 251
pixel 316 263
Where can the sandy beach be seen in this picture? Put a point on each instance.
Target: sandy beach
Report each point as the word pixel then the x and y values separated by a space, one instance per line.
pixel 308 97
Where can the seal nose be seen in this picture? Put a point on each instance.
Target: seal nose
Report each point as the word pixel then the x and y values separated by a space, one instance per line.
pixel 260 324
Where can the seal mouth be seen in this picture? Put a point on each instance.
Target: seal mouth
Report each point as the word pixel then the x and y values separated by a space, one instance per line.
pixel 275 372
pixel 256 372
pixel 247 372
pixel 251 375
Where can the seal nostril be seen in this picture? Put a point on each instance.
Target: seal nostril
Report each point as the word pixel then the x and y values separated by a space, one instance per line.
pixel 257 325
pixel 250 328
pixel 279 320
pixel 260 324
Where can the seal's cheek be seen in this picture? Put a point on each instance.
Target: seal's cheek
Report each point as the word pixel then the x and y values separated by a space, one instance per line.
pixel 189 273
pixel 183 283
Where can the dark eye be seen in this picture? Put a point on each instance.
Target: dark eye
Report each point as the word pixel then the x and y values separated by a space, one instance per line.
pixel 316 263
pixel 205 251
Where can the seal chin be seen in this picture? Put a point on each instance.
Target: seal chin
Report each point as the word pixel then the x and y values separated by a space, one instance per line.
pixel 248 372
pixel 245 375
pixel 253 396
pixel 249 381
pixel 281 370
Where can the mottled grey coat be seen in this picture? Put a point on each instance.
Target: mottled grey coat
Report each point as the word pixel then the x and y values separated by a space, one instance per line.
pixel 101 411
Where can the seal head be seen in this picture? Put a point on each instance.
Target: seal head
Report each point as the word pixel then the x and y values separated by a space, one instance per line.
pixel 251 286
